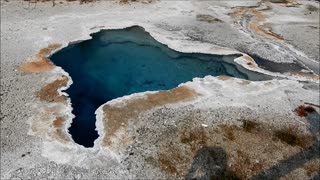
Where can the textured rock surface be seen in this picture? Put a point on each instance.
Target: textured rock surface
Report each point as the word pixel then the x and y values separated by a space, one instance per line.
pixel 163 143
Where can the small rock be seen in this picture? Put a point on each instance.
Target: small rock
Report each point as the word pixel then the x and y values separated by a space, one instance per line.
pixel 204 125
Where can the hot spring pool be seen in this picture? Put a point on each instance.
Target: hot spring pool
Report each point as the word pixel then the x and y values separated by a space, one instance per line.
pixel 120 62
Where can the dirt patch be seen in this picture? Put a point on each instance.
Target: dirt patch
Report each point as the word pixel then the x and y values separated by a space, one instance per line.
pixel 243 151
pixel 196 139
pixel 249 126
pixel 39 62
pixel 49 93
pixel 292 136
pixel 312 167
pixel 207 18
pixel 117 116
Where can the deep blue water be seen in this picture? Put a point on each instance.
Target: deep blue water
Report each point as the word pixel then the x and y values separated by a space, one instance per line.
pixel 115 63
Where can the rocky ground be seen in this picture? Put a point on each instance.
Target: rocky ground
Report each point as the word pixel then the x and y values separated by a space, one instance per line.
pixel 214 127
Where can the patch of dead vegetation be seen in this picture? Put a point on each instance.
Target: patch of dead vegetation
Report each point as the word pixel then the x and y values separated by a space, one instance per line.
pixel 39 62
pixel 312 167
pixel 294 137
pixel 61 136
pixel 49 93
pixel 170 157
pixel 250 148
pixel 196 139
pixel 207 18
pixel 41 65
pixel 116 117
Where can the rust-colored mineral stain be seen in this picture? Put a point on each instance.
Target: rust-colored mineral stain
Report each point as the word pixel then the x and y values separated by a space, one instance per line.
pixel 254 24
pixel 58 122
pixel 40 62
pixel 250 61
pixel 263 32
pixel 58 130
pixel 49 93
pixel 41 65
pixel 311 76
pixel 61 135
pixel 224 78
pixel 244 82
pixel 51 47
pixel 117 117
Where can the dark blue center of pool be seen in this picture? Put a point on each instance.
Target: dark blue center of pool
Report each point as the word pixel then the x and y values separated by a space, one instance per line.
pixel 115 63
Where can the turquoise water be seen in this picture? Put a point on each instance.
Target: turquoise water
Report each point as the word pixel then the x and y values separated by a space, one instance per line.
pixel 115 63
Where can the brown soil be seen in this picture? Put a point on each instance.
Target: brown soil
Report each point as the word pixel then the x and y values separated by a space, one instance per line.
pixel 258 23
pixel 250 149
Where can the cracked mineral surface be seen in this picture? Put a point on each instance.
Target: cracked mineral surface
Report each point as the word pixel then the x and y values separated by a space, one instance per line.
pixel 211 127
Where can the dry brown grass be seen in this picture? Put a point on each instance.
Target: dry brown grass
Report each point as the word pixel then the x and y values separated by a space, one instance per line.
pixel 169 158
pixel 249 126
pixel 312 167
pixel 294 137
pixel 250 148
pixel 196 138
